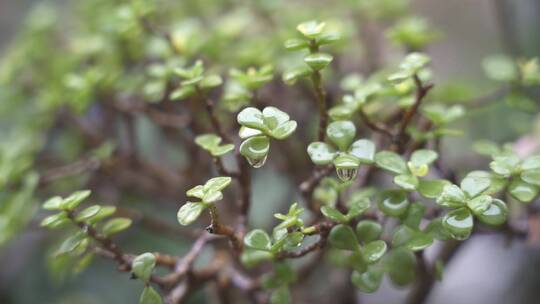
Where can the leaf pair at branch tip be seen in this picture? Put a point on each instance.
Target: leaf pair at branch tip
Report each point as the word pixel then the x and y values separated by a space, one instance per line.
pixel 257 127
pixel 345 154
pixel 208 194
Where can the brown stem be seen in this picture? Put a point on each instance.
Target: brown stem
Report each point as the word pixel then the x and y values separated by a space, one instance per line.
pixel 374 126
pixel 216 227
pixel 421 92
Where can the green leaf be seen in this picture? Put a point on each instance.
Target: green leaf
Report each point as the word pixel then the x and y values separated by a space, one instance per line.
pixel 368 281
pixel 368 231
pixel 210 143
pixel 432 188
pixel 522 191
pixel 197 191
pixel 211 81
pixel 411 239
pixel 246 132
pixel 143 265
pixel 54 203
pixel 452 196
pixel 459 223
pixel 311 29
pixel 496 214
pixel 222 150
pixel 423 157
pixel 273 117
pixel 530 163
pixel 436 229
pixel 296 44
pixel 284 130
pixel 103 213
pixel 391 161
pixel 292 75
pixel 328 38
pixel 473 185
pixel 255 150
pixel 333 214
pixel 505 165
pixel 479 204
pixel 72 243
pixel 364 150
pixel 341 133
pixel 212 196
pixel 357 205
pixel 150 296
pixel 393 202
pixel 75 199
pixel 357 262
pixel 321 153
pixel 401 264
pixel 413 216
pixel 346 161
pixel 374 251
pixel 217 183
pixel 116 225
pixel 258 239
pixel 252 118
pixel 182 93
pixel 88 213
pixel 318 61
pixel 406 181
pixel 251 257
pixel 500 68
pixel 346 167
pixel 55 221
pixel 189 213
pixel 531 176
pixel 343 237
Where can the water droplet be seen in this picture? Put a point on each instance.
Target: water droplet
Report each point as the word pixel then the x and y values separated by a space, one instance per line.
pixel 347 174
pixel 257 162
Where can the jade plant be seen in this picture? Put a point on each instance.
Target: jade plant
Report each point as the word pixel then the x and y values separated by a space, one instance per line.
pixel 343 153
pixel 355 165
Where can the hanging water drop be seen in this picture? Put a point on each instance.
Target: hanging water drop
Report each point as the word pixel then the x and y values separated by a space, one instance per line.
pixel 346 174
pixel 257 162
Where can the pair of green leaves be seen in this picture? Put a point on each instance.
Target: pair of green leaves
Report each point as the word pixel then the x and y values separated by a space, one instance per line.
pixel 409 235
pixel 345 154
pixel 142 267
pixel 243 85
pixel 408 173
pixel 524 175
pixel 362 255
pixel 357 206
pixel 193 80
pixel 467 200
pixel 91 215
pixel 413 64
pixel 208 193
pixel 257 129
pixel 212 144
pixel 260 247
pixel 312 36
pixel 352 103
pixel 413 33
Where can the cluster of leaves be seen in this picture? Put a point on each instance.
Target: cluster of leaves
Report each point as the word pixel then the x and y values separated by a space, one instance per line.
pixel 76 249
pixel 208 194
